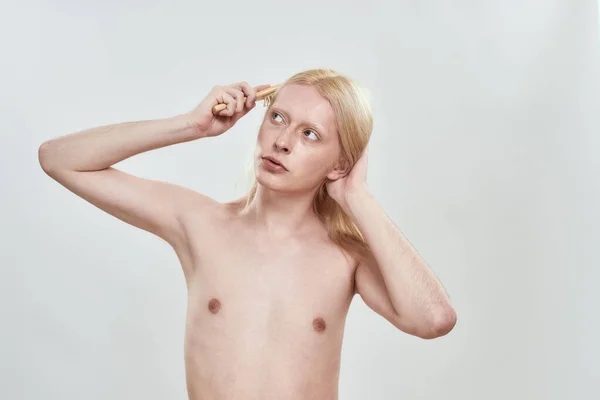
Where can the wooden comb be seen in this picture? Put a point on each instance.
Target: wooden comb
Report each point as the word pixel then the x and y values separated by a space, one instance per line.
pixel 259 96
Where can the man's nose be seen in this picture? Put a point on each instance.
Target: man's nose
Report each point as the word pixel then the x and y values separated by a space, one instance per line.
pixel 283 141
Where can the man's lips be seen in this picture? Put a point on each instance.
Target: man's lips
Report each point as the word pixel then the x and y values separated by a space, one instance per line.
pixel 276 161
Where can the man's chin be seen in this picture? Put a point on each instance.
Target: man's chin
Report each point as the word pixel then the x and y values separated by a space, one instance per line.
pixel 270 182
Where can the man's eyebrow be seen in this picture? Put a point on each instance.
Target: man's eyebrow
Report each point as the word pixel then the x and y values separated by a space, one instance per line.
pixel 309 123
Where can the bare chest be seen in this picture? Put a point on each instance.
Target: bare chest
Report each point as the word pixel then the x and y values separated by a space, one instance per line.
pixel 274 279
pixel 264 316
pixel 288 284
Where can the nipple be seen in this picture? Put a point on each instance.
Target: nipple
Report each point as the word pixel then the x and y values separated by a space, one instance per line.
pixel 319 324
pixel 214 305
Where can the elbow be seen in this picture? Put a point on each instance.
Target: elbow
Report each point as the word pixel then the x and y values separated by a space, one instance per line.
pixel 43 154
pixel 441 323
pixel 446 322
pixel 44 157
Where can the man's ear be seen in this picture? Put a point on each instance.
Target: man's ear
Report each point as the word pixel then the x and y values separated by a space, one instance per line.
pixel 340 170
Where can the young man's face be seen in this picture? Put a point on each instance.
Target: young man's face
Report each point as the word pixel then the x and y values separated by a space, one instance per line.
pixel 300 131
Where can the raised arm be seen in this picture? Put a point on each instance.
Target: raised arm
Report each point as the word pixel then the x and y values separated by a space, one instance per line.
pixel 82 162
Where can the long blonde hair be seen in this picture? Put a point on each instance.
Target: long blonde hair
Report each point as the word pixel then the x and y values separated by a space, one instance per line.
pixel 354 122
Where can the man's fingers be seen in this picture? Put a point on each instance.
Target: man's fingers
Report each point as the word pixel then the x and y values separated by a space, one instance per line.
pixel 234 98
pixel 249 92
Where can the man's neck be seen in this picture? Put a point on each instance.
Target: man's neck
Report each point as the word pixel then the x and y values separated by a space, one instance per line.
pixel 281 215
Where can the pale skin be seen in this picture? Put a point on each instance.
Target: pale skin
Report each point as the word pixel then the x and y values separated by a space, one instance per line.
pixel 268 292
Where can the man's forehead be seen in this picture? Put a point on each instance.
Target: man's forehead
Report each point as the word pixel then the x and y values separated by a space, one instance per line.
pixel 304 102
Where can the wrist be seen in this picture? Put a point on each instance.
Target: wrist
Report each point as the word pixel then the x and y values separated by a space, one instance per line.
pixel 357 197
pixel 190 127
pixel 357 193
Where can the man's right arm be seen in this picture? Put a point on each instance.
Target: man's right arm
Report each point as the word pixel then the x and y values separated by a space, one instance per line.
pixel 82 162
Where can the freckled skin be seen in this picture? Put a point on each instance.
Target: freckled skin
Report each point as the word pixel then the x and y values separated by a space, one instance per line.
pixel 214 305
pixel 319 324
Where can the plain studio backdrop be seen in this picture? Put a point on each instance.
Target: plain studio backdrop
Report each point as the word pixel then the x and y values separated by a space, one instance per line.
pixel 484 154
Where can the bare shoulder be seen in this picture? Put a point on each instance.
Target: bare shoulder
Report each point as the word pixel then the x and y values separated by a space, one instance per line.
pixel 201 207
pixel 204 217
pixel 199 218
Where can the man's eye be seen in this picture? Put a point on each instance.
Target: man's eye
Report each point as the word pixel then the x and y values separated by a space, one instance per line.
pixel 308 130
pixel 275 114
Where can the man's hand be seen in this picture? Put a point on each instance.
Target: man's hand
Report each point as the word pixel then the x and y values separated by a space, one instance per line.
pixel 233 95
pixel 355 180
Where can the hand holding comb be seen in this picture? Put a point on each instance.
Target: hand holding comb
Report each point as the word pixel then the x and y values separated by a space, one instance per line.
pixel 259 96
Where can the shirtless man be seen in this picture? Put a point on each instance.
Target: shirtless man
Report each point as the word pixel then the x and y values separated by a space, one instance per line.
pixel 268 291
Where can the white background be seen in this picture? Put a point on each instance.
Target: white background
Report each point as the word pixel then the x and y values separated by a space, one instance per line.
pixel 484 154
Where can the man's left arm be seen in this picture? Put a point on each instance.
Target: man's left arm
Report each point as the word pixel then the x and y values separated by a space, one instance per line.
pixel 395 279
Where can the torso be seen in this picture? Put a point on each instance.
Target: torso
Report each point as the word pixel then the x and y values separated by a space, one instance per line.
pixel 265 320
